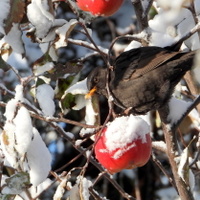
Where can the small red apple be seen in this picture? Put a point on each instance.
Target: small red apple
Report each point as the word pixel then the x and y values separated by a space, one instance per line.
pixel 100 7
pixel 122 145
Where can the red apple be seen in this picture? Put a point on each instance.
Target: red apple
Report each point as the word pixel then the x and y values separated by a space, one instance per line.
pixel 100 7
pixel 128 148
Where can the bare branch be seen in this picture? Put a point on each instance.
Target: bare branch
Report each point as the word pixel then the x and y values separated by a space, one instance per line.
pixel 157 162
pixel 172 151
pixel 142 17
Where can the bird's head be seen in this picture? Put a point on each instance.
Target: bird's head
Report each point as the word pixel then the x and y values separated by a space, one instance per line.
pixel 96 82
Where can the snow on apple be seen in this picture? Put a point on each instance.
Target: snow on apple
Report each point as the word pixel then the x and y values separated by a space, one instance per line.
pixel 100 7
pixel 124 143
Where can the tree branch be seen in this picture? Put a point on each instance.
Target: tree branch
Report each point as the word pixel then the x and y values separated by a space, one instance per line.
pixel 142 17
pixel 172 153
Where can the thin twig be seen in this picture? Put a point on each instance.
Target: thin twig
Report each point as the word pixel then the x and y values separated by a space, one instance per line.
pixel 87 45
pixel 136 37
pixel 36 115
pixel 157 162
pixel 190 108
pixel 189 34
pixel 72 160
pixel 98 49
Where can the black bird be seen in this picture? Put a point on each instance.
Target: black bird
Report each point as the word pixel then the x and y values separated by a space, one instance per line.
pixel 142 79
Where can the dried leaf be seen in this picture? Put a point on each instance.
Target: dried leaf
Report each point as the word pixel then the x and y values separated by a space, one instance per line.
pixel 68 101
pixel 3 65
pixel 183 169
pixel 17 10
pixel 6 197
pixel 64 32
pixel 62 85
pixel 43 64
pixel 18 182
pixel 59 70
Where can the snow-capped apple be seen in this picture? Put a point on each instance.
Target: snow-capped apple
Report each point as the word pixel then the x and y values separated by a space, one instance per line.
pixel 100 7
pixel 124 143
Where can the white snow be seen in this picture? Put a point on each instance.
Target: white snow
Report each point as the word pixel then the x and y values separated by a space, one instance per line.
pixel 183 163
pixel 39 159
pixel 170 4
pixel 60 189
pixel 45 95
pixel 16 140
pixel 13 38
pixel 177 108
pixel 8 144
pixel 39 15
pixel 16 60
pixel 160 145
pixel 78 142
pixel 183 169
pixel 134 44
pixel 40 188
pixel 172 22
pixel 23 131
pixel 63 33
pixel 78 88
pixel 90 116
pixel 85 185
pixel 10 109
pixel 38 70
pixel 124 130
pixel 12 104
pixel 198 142
pixel 17 133
pixel 19 96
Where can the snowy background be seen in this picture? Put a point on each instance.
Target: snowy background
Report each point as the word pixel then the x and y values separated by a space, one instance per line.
pixel 46 53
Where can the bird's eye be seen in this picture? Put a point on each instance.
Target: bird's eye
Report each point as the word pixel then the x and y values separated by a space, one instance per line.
pixel 96 80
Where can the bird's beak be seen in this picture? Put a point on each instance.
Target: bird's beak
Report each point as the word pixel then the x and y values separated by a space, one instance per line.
pixel 90 93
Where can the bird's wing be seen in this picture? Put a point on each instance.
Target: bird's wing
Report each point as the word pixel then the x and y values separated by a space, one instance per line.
pixel 137 62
